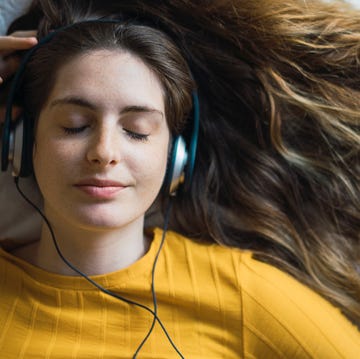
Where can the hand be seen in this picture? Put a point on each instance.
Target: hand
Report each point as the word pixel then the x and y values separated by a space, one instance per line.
pixel 19 40
pixel 9 61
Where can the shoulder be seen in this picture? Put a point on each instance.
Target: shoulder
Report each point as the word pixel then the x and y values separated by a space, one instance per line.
pixel 283 314
pixel 204 256
pixel 280 317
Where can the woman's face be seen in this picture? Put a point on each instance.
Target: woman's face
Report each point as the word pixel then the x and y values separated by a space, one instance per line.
pixel 101 142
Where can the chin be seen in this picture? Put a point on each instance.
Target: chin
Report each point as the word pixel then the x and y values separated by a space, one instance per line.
pixel 106 220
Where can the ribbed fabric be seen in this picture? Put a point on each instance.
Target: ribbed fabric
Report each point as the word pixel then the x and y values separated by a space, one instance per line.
pixel 215 302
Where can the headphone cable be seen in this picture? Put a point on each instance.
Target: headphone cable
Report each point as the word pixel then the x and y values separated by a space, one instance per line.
pixel 108 292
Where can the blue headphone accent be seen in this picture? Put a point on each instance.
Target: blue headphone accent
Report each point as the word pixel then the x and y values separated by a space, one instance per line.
pixel 17 139
pixel 189 169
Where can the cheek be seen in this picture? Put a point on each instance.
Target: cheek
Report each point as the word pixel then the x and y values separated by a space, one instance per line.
pixel 150 166
pixel 50 158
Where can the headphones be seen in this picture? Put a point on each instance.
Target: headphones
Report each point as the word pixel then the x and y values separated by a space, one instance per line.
pixel 17 138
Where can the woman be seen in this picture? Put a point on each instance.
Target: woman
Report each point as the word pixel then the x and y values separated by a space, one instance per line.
pixel 102 138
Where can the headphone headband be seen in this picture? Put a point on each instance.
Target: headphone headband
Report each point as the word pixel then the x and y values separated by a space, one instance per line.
pixel 17 142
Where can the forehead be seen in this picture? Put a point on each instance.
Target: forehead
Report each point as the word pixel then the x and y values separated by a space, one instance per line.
pixel 109 77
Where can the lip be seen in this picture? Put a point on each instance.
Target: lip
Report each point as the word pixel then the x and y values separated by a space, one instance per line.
pixel 100 188
pixel 98 182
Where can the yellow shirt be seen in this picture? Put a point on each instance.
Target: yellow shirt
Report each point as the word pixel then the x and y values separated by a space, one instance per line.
pixel 215 302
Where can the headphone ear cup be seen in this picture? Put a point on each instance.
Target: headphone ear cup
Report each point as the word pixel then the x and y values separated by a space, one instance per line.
pixel 22 147
pixel 7 141
pixel 27 148
pixel 176 168
pixel 17 148
pixel 181 165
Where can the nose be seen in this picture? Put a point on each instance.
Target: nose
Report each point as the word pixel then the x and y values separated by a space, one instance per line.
pixel 104 147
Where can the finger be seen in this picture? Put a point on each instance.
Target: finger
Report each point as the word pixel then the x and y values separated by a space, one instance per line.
pixel 27 33
pixel 8 43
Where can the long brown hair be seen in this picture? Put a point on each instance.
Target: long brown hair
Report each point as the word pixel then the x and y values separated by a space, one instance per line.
pixel 277 167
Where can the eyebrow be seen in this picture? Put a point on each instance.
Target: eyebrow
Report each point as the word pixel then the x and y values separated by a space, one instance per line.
pixel 82 102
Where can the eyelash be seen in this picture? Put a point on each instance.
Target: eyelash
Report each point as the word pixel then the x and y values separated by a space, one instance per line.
pixel 74 130
pixel 133 135
pixel 136 136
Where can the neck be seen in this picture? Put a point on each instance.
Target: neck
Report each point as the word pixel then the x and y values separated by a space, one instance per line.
pixel 91 252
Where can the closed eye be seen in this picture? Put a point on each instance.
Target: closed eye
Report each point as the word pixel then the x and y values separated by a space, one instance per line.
pixel 74 130
pixel 136 136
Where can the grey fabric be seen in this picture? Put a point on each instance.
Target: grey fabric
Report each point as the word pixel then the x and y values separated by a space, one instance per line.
pixel 9 10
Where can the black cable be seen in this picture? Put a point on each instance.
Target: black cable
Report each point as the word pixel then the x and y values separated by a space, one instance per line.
pixel 108 292
pixel 166 222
